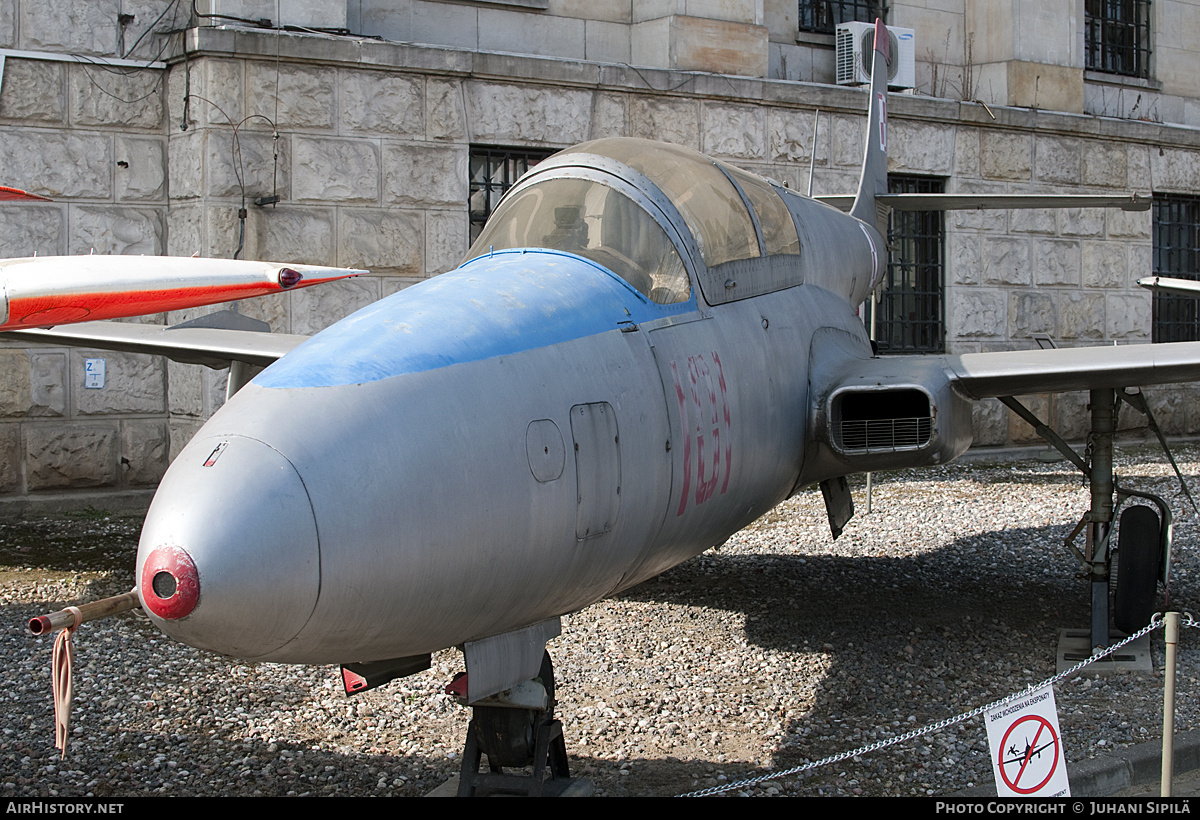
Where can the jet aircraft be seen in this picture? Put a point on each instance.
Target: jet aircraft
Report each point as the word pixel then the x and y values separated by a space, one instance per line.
pixel 644 351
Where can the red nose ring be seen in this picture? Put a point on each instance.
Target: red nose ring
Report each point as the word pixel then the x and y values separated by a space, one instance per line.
pixel 170 584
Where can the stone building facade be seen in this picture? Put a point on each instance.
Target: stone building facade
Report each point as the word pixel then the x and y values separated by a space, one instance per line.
pixel 151 127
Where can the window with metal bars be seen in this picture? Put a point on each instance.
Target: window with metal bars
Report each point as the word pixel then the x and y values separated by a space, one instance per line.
pixel 1117 36
pixel 493 172
pixel 1176 318
pixel 822 16
pixel 912 301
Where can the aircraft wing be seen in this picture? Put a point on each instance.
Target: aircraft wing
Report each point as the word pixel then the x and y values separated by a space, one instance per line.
pixel 1010 373
pixel 1166 284
pixel 17 195
pixel 213 347
pixel 971 202
pixel 57 290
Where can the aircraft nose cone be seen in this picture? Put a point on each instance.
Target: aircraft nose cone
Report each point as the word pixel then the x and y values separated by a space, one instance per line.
pixel 229 558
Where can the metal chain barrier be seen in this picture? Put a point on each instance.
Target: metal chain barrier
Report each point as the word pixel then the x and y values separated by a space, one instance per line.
pixel 1155 623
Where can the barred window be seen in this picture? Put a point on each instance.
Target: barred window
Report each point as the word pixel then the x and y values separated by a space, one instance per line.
pixel 1176 317
pixel 822 16
pixel 912 302
pixel 1117 36
pixel 493 171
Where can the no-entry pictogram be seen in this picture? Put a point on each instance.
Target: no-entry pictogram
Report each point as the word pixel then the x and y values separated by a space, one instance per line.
pixel 1027 753
pixel 1030 751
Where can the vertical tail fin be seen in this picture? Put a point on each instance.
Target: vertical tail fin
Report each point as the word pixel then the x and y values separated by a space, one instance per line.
pixel 874 168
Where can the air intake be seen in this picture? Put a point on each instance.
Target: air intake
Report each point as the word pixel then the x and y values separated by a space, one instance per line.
pixel 879 421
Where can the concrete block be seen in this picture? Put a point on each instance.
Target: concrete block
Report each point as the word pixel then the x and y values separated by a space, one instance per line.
pixel 790 137
pixel 182 431
pixel 446 240
pixel 608 116
pixel 500 113
pixel 1006 261
pixel 384 242
pixel 185 390
pixel 612 11
pixel 846 136
pixel 131 100
pixel 133 383
pixel 966 153
pixel 1128 224
pixel 1057 262
pixel 29 230
pixel 385 103
pixel 1057 159
pixel 76 26
pixel 10 458
pixel 218 89
pixel 1005 155
pixel 718 46
pixel 736 131
pixel 1019 430
pixel 14 375
pixel 335 170
pixel 1104 163
pixel 261 173
pixel 59 164
pixel 605 42
pixel 1104 264
pixel 59 456
pixel 445 117
pixel 787 61
pixel 518 32
pixel 1033 220
pixel 8 23
pixel 302 235
pixel 185 168
pixel 317 308
pixel 439 23
pixel 1072 419
pixel 1175 170
pixel 989 420
pixel 1080 315
pixel 145 451
pixel 1031 313
pixel 305 96
pixel 1081 222
pixel 650 41
pixel 977 313
pixel 141 172
pixel 1128 316
pixel 964 253
pixel 920 148
pixel 47 383
pixel 669 120
pixel 114 230
pixel 1141 262
pixel 424 175
pixel 34 91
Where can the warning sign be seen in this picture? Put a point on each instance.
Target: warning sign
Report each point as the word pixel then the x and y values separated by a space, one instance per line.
pixel 1027 751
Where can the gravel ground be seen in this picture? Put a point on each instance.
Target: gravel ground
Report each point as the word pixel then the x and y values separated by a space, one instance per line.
pixel 780 647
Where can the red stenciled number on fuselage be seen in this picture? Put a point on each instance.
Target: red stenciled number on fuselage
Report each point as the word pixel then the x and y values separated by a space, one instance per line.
pixel 705 422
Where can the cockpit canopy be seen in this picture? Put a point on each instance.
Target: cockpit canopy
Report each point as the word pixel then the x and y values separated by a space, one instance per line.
pixel 596 210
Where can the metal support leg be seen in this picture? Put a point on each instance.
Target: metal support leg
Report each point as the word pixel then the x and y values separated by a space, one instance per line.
pixel 1100 478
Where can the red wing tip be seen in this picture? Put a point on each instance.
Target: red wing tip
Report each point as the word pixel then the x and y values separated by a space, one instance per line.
pixel 16 194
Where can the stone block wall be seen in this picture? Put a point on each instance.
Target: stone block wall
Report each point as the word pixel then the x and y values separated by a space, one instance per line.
pixel 366 143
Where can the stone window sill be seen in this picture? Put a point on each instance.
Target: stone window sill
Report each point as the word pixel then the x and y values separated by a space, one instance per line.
pixel 1103 78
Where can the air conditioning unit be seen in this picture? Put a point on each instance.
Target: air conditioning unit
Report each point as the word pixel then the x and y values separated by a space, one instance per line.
pixel 855 49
